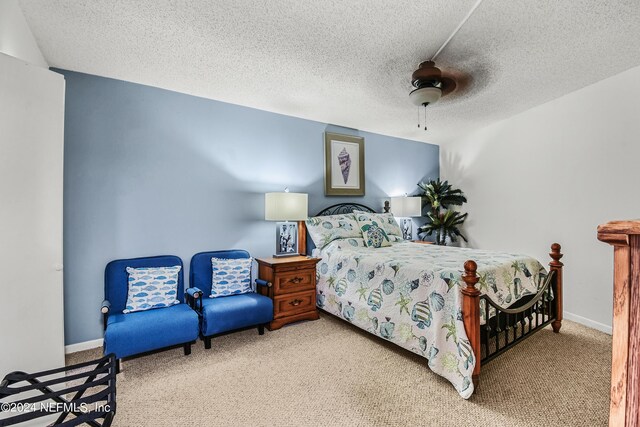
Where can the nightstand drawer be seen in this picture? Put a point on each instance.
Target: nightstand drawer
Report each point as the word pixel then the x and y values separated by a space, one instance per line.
pixel 296 281
pixel 300 302
pixel 293 289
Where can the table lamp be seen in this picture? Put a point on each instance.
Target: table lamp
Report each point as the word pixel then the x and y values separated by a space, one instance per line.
pixel 284 207
pixel 404 207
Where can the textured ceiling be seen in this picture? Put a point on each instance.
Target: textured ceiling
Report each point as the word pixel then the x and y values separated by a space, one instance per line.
pixel 346 62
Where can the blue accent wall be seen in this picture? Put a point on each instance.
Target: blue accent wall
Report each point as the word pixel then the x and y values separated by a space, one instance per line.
pixel 149 172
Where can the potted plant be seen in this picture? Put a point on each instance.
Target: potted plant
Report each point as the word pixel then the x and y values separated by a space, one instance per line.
pixel 442 222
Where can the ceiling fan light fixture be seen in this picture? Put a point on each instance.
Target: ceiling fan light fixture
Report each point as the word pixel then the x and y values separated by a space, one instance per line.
pixel 429 85
pixel 425 95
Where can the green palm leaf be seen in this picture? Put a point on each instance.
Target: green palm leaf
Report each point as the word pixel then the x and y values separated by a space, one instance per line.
pixel 439 194
pixel 444 226
pixel 443 223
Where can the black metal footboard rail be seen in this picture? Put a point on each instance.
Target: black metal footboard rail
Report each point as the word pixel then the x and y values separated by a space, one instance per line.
pixel 79 394
pixel 506 327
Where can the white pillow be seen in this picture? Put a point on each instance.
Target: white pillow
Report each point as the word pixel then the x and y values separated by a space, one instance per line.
pixel 325 229
pixel 230 276
pixel 151 287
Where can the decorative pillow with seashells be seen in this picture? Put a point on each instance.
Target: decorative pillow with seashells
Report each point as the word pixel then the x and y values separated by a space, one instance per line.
pixel 325 229
pixel 374 235
pixel 386 221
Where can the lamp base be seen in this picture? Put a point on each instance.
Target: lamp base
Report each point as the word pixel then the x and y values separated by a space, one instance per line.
pixel 406 225
pixel 285 255
pixel 286 239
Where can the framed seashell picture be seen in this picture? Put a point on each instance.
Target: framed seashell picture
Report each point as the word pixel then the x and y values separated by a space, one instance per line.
pixel 344 165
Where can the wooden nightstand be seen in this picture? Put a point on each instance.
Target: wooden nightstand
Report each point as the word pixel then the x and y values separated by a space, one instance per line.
pixel 293 289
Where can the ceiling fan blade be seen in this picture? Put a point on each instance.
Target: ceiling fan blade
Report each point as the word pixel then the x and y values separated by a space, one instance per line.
pixel 461 82
pixel 448 85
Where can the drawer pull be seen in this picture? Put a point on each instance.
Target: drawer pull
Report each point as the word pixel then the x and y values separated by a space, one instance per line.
pixel 296 280
pixel 295 302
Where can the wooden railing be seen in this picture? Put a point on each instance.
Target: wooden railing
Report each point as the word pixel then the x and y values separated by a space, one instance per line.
pixel 624 236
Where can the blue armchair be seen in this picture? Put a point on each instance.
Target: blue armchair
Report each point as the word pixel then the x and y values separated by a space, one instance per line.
pixel 228 313
pixel 144 331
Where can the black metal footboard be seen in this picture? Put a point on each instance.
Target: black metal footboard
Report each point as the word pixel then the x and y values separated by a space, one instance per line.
pixel 506 327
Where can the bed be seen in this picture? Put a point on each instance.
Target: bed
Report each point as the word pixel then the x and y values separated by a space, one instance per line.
pixel 459 308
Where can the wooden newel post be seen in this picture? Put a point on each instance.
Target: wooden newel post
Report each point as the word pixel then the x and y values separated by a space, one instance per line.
pixel 624 236
pixel 556 265
pixel 471 314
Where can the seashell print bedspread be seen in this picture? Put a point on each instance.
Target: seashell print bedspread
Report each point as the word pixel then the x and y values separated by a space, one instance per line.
pixel 409 294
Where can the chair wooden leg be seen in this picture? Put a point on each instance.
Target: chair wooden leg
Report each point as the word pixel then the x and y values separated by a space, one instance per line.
pixel 117 366
pixel 207 342
pixel 261 330
pixel 187 349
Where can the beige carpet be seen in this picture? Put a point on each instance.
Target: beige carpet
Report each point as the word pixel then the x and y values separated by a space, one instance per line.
pixel 329 373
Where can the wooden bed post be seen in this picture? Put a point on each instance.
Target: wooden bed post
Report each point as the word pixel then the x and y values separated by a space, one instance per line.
pixel 471 314
pixel 556 266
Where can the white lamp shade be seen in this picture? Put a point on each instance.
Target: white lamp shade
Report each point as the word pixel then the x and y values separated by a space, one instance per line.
pixel 413 206
pixel 406 206
pixel 285 206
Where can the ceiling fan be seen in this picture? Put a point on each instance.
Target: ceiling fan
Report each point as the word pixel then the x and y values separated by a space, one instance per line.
pixel 430 83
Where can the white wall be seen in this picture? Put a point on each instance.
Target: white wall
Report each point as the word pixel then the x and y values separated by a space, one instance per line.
pixel 16 38
pixel 553 173
pixel 31 160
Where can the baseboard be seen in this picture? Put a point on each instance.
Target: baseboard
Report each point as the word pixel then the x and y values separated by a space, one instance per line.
pixel 588 322
pixel 81 346
pixel 88 345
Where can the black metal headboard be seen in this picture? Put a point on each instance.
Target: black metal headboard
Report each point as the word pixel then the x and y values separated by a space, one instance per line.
pixel 340 208
pixel 344 208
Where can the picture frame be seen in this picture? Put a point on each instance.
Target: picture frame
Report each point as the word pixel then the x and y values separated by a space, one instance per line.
pixel 286 239
pixel 344 165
